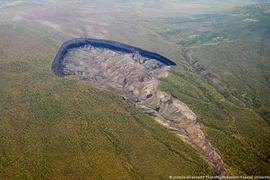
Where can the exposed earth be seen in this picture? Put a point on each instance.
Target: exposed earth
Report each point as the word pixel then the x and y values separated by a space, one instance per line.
pixel 136 79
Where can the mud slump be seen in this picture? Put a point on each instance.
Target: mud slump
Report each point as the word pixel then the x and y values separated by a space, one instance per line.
pixel 134 74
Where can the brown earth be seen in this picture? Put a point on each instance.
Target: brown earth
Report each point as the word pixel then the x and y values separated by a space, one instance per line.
pixel 136 79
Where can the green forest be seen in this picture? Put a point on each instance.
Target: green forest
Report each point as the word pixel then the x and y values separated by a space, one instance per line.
pixel 62 128
pixel 236 52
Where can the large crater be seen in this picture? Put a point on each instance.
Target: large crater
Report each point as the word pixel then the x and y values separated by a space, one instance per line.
pixel 112 45
pixel 134 74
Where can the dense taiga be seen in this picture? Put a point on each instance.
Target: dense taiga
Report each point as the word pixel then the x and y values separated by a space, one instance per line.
pixel 179 88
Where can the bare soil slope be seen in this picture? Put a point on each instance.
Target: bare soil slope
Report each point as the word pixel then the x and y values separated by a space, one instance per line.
pixel 136 78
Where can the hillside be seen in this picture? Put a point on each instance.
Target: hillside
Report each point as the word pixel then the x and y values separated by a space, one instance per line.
pixel 62 128
pixel 228 76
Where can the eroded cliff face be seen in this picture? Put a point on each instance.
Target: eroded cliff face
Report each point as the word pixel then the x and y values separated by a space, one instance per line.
pixel 136 79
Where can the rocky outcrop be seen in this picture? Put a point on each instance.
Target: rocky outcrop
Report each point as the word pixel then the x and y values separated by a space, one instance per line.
pixel 135 77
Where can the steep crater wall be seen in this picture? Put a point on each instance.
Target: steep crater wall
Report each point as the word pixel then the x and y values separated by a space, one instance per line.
pixel 112 45
pixel 134 74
